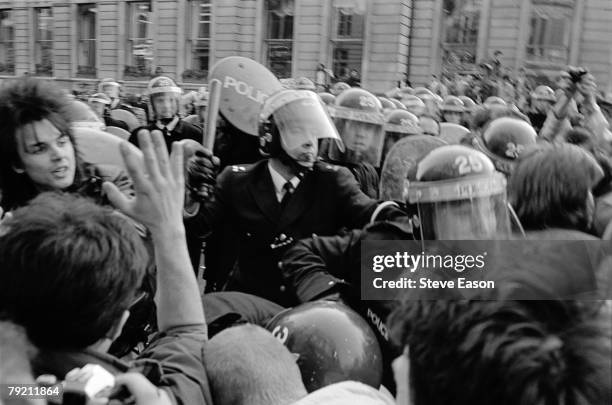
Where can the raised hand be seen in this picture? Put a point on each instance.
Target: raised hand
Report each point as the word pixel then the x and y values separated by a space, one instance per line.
pixel 158 184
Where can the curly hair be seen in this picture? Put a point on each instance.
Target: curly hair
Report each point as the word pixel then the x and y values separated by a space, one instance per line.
pixel 23 102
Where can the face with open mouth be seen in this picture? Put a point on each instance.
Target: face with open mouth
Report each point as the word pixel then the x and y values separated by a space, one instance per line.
pixel 47 156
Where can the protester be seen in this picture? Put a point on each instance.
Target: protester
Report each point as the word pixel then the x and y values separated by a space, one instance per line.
pixel 87 297
pixel 543 351
pixel 551 191
pixel 38 150
pixel 246 365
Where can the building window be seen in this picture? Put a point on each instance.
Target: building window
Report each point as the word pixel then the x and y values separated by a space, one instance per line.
pixel 198 40
pixel 347 37
pixel 140 41
pixel 43 49
pixel 279 36
pixel 550 31
pixel 7 43
pixel 461 19
pixel 86 23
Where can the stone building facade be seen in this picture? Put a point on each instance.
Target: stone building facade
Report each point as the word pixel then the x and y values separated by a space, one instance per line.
pixel 77 42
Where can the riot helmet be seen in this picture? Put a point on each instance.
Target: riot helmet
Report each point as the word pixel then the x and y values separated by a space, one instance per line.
pixel 327 98
pixel 414 105
pixel 387 104
pixel 399 124
pixel 99 103
pixel 503 140
pixel 164 98
pixel 359 119
pixel 459 196
pixel 110 87
pixel 291 122
pixel 332 344
pixel 452 109
pixel 338 88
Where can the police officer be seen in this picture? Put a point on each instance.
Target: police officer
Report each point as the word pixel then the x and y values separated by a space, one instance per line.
pixel 100 104
pixel 164 99
pixel 359 118
pixel 399 124
pixel 459 196
pixel 112 88
pixel 266 206
pixel 452 110
pixel 504 140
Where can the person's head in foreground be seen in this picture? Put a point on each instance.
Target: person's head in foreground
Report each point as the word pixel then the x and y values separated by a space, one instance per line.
pixel 69 271
pixel 15 354
pixel 246 365
pixel 551 187
pixel 503 352
pixel 37 148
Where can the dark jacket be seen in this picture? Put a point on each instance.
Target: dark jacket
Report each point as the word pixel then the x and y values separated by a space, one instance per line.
pixel 327 200
pixel 111 122
pixel 182 130
pixel 174 360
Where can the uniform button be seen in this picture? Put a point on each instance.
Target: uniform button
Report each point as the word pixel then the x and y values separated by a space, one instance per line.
pixel 280 265
pixel 248 234
pixel 282 288
pixel 282 237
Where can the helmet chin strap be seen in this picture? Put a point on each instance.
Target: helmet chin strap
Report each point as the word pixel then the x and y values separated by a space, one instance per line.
pixel 165 121
pixel 299 170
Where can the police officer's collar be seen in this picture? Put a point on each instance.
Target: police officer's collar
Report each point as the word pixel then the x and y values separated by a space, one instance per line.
pixel 279 181
pixel 171 125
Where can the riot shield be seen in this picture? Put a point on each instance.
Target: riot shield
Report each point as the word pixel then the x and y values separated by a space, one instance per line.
pixel 245 84
pixel 122 115
pixel 402 160
pixel 99 147
pixel 452 133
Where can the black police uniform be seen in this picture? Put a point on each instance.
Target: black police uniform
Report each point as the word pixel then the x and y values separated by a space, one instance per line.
pixel 182 130
pixel 111 122
pixel 330 268
pixel 257 231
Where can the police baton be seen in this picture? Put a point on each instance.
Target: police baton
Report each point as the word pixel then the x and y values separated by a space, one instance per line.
pixel 212 112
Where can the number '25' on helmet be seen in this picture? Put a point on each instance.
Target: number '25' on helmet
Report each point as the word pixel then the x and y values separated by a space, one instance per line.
pixel 459 196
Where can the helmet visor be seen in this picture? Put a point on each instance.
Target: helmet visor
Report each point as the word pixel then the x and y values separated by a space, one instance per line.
pixel 462 209
pixel 304 121
pixel 364 142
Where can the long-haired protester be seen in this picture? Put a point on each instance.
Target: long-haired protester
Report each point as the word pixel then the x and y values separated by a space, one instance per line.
pixel 38 151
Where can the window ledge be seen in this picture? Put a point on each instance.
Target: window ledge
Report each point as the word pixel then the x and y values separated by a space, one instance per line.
pixel 530 64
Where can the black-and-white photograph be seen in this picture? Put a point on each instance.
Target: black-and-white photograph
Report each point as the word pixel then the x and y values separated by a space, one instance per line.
pixel 306 202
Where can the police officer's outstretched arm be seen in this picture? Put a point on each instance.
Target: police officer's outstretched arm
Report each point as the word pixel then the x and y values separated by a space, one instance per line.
pixel 318 267
pixel 357 208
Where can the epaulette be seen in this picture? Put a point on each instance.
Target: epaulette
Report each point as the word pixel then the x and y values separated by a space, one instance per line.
pixel 238 169
pixel 330 167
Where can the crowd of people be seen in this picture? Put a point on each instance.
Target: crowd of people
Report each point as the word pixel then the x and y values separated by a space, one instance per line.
pixel 139 266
